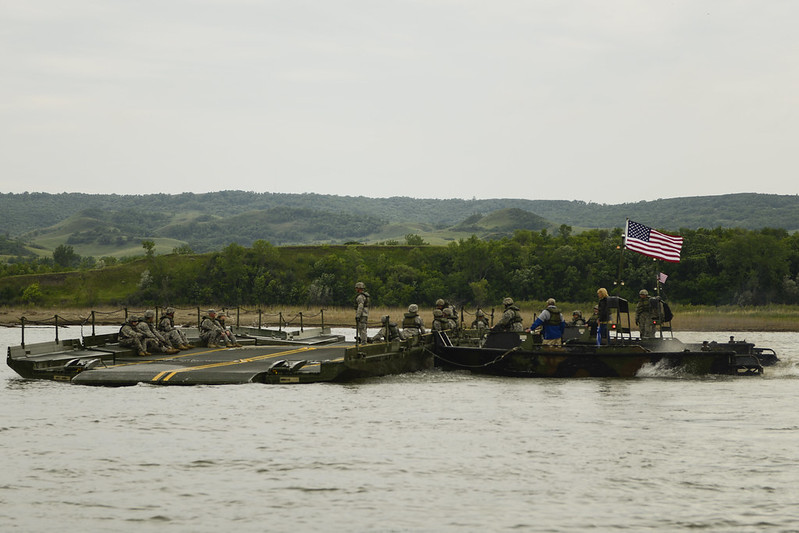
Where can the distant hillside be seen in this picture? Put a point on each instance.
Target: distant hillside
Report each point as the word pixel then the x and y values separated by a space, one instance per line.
pixel 109 224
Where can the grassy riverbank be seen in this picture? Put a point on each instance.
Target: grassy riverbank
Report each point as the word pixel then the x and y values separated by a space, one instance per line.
pixel 686 318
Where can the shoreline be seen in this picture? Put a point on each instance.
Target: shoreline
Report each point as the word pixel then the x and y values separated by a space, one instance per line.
pixel 687 319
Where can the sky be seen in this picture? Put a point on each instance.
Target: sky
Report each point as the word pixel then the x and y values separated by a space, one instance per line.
pixel 603 101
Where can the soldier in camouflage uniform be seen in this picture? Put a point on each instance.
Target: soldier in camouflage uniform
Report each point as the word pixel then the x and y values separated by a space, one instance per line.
pixel 388 332
pixel 440 322
pixel 452 323
pixel 227 336
pixel 511 319
pixel 644 317
pixel 480 320
pixel 577 319
pixel 361 312
pixel 147 326
pixel 412 323
pixel 176 337
pixel 210 330
pixel 130 337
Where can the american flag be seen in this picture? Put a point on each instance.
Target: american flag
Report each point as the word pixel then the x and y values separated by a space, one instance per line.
pixel 645 240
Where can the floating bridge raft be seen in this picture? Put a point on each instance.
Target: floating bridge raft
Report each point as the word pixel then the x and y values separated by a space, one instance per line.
pixel 266 356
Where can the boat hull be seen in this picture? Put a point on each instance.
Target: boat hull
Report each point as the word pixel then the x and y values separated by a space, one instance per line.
pixel 505 355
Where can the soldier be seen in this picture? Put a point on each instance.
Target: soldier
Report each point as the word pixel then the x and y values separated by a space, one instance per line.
pixel 553 322
pixel 577 319
pixel 176 337
pixel 452 323
pixel 131 337
pixel 361 312
pixel 511 319
pixel 226 335
pixel 210 330
pixel 480 320
pixel 412 323
pixel 388 332
pixel 440 323
pixel 147 326
pixel 644 318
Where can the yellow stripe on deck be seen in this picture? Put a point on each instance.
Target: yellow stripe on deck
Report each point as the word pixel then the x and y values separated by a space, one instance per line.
pixel 169 374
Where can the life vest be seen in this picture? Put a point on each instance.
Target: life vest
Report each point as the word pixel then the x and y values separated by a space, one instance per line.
pixel 554 316
pixel 410 321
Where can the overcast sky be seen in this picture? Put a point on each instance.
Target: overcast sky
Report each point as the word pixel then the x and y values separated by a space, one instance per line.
pixel 604 100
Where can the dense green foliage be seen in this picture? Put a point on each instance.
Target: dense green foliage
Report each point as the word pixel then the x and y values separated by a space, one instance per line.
pixel 718 267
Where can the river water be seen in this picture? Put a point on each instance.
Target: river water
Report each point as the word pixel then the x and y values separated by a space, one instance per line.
pixel 432 451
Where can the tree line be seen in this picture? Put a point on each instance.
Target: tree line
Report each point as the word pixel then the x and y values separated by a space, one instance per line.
pixel 717 267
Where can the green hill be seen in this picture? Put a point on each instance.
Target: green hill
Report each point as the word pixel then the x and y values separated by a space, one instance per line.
pixel 115 225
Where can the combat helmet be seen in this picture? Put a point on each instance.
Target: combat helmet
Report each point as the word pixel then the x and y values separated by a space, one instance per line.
pixel 643 292
pixel 507 301
pixel 413 308
pixel 360 285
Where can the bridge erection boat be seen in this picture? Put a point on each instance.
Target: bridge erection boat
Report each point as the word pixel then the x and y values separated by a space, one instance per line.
pixel 619 355
pixel 264 357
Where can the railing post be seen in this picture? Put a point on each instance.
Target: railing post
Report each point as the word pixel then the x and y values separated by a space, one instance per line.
pixel 22 320
pixel 259 317
pixel 126 314
pixel 280 324
pixel 322 312
pixel 238 308
pixel 198 318
pixel 56 328
pixel 92 323
pixel 301 330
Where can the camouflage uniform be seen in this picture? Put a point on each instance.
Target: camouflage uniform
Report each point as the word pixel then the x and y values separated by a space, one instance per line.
pixel 644 317
pixel 412 323
pixel 451 322
pixel 480 321
pixel 577 319
pixel 226 336
pixel 440 322
pixel 154 337
pixel 176 337
pixel 130 337
pixel 361 312
pixel 210 330
pixel 391 328
pixel 511 319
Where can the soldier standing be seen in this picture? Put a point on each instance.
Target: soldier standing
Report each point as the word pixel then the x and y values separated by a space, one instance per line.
pixel 511 319
pixel 644 318
pixel 361 312
pixel 553 322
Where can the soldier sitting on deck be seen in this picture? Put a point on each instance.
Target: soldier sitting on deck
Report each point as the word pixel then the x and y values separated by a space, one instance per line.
pixel 210 330
pixel 174 336
pixel 227 336
pixel 131 337
pixel 388 332
pixel 154 337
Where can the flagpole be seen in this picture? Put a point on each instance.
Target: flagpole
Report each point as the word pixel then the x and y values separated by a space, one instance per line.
pixel 619 282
